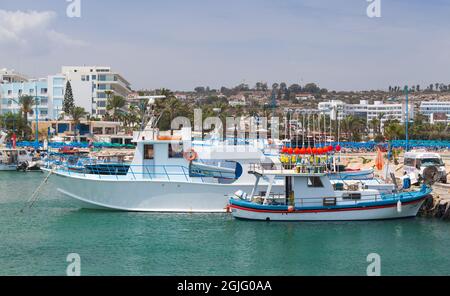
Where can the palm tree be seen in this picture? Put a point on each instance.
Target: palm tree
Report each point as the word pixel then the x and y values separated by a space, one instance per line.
pixel 170 105
pixel 393 130
pixel 26 103
pixel 375 125
pixel 115 104
pixel 77 113
pixel 380 117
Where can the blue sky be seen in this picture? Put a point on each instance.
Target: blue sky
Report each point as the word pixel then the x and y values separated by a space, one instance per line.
pixel 182 44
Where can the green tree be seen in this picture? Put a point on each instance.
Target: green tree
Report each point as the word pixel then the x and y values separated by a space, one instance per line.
pixel 115 104
pixel 26 107
pixel 77 113
pixel 68 103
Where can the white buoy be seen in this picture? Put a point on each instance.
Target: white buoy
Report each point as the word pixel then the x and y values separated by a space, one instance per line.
pixel 399 206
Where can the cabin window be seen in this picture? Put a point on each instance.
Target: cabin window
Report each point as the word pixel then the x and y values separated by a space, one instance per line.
pixel 409 162
pixel 314 182
pixel 149 151
pixel 176 151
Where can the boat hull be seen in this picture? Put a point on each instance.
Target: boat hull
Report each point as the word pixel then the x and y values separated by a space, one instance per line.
pixel 375 212
pixel 149 195
pixel 8 167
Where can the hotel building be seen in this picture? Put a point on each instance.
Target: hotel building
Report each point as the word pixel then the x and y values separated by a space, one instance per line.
pixel 89 86
pixel 384 112
pixel 437 111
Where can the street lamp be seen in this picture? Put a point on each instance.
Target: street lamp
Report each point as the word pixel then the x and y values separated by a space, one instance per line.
pixel 36 101
pixel 406 118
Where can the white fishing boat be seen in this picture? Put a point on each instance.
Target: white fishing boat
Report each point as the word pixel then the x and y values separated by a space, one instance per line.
pixel 14 159
pixel 310 195
pixel 161 179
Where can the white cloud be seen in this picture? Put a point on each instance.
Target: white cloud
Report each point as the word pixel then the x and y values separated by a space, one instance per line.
pixel 31 32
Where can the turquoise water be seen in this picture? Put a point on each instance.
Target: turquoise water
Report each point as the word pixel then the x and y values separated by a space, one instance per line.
pixel 38 241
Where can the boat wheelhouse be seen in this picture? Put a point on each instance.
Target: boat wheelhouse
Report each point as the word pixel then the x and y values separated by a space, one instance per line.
pixel 310 195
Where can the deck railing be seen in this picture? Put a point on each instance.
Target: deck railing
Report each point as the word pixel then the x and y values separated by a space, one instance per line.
pixel 280 199
pixel 102 170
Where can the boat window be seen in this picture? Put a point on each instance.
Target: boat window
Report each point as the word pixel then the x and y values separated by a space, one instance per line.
pixel 431 161
pixel 148 151
pixel 409 162
pixel 314 182
pixel 176 151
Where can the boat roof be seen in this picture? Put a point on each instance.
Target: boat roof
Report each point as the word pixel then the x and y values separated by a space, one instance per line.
pixel 421 154
pixel 286 173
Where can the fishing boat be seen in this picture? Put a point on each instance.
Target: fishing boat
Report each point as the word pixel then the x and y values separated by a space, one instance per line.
pixel 310 195
pixel 14 159
pixel 168 176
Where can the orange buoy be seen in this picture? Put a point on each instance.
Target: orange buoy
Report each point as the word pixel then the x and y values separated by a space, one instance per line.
pixel 190 155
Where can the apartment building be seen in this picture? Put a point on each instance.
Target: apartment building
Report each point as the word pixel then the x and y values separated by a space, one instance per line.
pixel 383 112
pixel 89 87
pixel 437 111
pixel 9 76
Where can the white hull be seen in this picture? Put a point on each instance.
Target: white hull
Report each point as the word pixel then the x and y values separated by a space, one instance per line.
pixel 407 210
pixel 8 167
pixel 149 195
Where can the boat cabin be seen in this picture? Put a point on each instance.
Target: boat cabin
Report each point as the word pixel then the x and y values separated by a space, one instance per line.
pixel 315 189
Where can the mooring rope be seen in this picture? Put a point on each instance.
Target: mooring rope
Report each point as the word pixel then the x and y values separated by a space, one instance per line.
pixel 34 197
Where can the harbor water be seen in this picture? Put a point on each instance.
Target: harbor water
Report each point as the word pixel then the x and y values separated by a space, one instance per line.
pixel 37 241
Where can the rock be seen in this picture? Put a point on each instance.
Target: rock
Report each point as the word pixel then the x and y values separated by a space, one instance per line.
pixel 435 207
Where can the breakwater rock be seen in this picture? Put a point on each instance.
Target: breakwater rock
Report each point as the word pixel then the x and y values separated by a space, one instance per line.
pixel 435 206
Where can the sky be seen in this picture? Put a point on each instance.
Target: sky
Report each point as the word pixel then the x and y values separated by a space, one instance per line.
pixel 179 44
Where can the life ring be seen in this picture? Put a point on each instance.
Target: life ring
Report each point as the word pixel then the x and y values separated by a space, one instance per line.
pixel 190 155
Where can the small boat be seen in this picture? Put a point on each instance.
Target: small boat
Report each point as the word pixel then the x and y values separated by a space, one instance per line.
pixel 14 159
pixel 312 196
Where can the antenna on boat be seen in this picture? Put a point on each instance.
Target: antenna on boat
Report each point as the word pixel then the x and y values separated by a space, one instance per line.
pixel 303 129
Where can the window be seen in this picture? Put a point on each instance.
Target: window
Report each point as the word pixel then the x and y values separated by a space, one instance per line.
pixel 101 104
pixel 31 90
pixel 148 151
pixel 20 92
pixel 176 152
pixel 409 162
pixel 109 131
pixel 43 91
pixel 9 92
pixel 97 130
pixel 94 77
pixel 314 182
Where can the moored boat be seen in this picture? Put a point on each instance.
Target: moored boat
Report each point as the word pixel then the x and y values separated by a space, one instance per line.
pixel 312 196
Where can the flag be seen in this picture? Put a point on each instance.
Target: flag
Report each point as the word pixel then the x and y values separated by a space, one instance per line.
pixel 379 160
pixel 14 139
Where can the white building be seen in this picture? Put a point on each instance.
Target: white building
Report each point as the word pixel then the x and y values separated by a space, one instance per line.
pixel 9 76
pixel 379 110
pixel 88 86
pixel 436 109
pixel 48 91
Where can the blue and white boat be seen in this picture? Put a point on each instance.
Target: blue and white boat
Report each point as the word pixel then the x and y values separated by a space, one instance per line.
pixel 312 196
